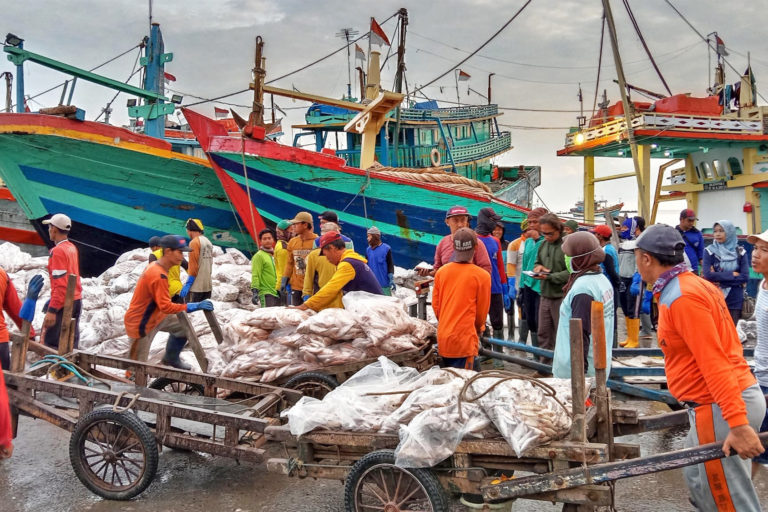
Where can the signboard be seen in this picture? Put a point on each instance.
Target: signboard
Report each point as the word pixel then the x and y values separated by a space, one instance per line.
pixel 715 185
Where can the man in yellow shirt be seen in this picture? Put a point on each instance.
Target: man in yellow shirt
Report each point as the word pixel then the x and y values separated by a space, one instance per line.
pixel 319 269
pixel 284 234
pixel 174 273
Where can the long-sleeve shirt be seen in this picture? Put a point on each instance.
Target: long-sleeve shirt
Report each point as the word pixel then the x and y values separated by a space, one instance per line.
pixel 263 275
pixel 319 272
pixel 151 302
pixel 174 273
pixel 10 304
pixel 63 260
pixel 6 434
pixel 703 357
pixel 694 246
pixel 352 274
pixel 551 256
pixel 201 264
pixel 281 256
pixel 296 263
pixel 761 349
pixel 515 258
pixel 461 299
pixel 498 274
pixel 530 253
pixel 712 272
pixel 444 254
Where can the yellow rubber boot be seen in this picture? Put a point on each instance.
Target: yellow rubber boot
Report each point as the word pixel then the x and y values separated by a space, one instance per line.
pixel 633 330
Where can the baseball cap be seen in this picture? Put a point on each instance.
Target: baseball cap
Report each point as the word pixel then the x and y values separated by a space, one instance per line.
pixel 195 225
pixel 752 239
pixel 174 242
pixel 284 224
pixel 154 241
pixel 302 217
pixel 660 239
pixel 688 214
pixel 374 231
pixel 524 225
pixel 602 230
pixel 455 211
pixel 464 242
pixel 329 216
pixel 572 224
pixel 327 238
pixel 60 221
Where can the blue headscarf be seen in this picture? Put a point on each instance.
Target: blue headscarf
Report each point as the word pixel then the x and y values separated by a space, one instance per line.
pixel 631 225
pixel 727 252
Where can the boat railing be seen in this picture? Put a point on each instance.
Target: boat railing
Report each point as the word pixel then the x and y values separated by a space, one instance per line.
pixel 667 121
pixel 468 112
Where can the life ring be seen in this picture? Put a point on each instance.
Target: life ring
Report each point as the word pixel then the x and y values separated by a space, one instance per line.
pixel 434 156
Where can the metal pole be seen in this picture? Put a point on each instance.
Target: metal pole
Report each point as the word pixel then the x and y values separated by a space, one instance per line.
pixel 20 103
pixel 456 77
pixel 489 87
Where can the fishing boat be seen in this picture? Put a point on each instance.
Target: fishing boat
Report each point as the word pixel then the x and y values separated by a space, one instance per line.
pixel 267 181
pixel 119 186
pixel 601 207
pixel 16 228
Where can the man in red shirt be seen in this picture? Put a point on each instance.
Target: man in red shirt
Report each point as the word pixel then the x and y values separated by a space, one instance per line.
pixel 461 299
pixel 63 260
pixel 457 217
pixel 706 371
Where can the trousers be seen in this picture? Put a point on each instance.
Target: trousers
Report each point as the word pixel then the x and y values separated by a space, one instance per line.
pixel 52 333
pixel 549 317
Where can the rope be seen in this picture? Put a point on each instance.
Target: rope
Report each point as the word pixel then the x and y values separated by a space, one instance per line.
pixel 248 187
pixel 57 361
pixel 438 176
pixel 645 45
pixel 599 64
pixel 133 72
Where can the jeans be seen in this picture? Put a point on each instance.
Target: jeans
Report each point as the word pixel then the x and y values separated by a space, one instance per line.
pixel 52 333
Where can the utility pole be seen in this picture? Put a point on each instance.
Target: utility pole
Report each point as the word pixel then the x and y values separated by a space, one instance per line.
pixel 347 34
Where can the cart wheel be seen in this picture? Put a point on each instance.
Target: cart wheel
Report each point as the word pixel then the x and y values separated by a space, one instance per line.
pixel 314 384
pixel 176 386
pixel 114 454
pixel 375 483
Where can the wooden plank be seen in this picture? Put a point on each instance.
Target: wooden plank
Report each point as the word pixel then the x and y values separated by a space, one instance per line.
pixel 65 337
pixel 602 394
pixel 187 442
pixel 215 327
pixel 578 431
pixel 193 342
pixel 651 423
pixel 18 361
pixel 641 392
pixel 40 410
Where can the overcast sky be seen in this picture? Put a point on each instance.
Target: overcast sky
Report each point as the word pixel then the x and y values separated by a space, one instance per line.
pixel 539 59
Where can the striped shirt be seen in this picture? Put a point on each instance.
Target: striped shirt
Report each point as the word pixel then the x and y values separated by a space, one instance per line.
pixel 761 350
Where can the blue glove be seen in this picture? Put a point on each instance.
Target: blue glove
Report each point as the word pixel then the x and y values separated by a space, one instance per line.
pixel 304 298
pixel 27 311
pixel 34 287
pixel 391 281
pixel 203 305
pixel 512 290
pixel 645 307
pixel 284 286
pixel 288 289
pixel 185 291
pixel 505 296
pixel 634 290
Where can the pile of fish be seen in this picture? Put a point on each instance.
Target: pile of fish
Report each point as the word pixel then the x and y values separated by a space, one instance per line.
pixel 433 411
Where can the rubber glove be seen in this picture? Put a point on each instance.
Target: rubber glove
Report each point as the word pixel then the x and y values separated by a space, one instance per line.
pixel 645 307
pixel 304 298
pixel 203 305
pixel 185 291
pixel 391 281
pixel 255 299
pixel 45 306
pixel 634 290
pixel 27 311
pixel 512 288
pixel 505 296
pixel 288 289
pixel 284 284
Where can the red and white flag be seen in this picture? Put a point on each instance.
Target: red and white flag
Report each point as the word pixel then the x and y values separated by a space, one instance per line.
pixel 169 77
pixel 463 77
pixel 220 112
pixel 720 46
pixel 377 34
pixel 359 53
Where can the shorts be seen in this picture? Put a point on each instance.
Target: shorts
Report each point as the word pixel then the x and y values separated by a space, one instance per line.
pixel 763 458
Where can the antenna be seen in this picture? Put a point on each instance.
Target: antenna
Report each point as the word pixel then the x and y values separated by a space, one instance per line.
pixel 347 34
pixel 582 120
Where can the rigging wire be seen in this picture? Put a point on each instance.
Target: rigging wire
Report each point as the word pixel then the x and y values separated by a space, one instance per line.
pixel 599 64
pixel 709 43
pixel 495 34
pixel 133 72
pixel 645 45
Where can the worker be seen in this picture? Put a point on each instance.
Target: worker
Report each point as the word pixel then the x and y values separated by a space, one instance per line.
pixel 319 269
pixel 9 302
pixel 530 288
pixel 263 273
pixel 570 226
pixel 630 229
pixel 174 273
pixel 379 257
pixel 694 241
pixel 706 371
pixel 63 260
pixel 284 234
pixel 330 216
pixel 199 281
pixel 461 299
pixel 500 297
pixel 550 270
pixel 456 217
pixel 352 273
pixel 6 431
pixel 514 266
pixel 299 247
pixel 151 305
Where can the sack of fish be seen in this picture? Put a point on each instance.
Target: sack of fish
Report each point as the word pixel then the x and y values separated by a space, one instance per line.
pixel 433 411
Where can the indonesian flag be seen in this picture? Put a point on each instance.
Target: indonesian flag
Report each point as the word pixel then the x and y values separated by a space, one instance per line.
pixel 169 77
pixel 359 53
pixel 720 47
pixel 377 34
pixel 463 77
pixel 220 112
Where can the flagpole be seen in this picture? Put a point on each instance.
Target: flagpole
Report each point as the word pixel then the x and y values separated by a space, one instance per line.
pixel 368 57
pixel 456 76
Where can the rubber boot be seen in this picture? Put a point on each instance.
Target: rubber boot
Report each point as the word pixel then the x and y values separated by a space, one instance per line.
pixel 633 330
pixel 498 364
pixel 535 343
pixel 173 348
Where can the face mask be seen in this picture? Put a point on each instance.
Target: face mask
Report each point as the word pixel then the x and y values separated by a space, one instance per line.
pixel 569 258
pixel 568 264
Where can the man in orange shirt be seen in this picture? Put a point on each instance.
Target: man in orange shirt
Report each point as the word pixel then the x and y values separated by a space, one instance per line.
pixel 299 247
pixel 6 432
pixel 706 371
pixel 151 306
pixel 461 299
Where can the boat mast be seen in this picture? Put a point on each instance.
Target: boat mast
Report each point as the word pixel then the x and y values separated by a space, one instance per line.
pixel 399 76
pixel 643 188
pixel 256 118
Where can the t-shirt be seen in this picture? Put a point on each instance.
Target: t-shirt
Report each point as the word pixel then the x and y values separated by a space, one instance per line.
pixel 151 302
pixel 63 260
pixel 444 254
pixel 761 349
pixel 201 264
pixel 296 263
pixel 10 304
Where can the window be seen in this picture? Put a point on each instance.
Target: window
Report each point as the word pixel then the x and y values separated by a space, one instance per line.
pixel 720 170
pixel 734 165
pixel 706 169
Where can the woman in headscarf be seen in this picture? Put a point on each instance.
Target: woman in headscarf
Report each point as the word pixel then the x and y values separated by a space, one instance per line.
pixel 727 265
pixel 586 283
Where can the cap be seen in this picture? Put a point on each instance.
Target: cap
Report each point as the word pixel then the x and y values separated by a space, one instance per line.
pixel 302 217
pixel 572 224
pixel 661 239
pixel 455 211
pixel 174 242
pixel 195 225
pixel 329 226
pixel 752 239
pixel 602 230
pixel 60 221
pixel 154 241
pixel 284 224
pixel 524 225
pixel 464 242
pixel 329 216
pixel 374 231
pixel 688 214
pixel 327 238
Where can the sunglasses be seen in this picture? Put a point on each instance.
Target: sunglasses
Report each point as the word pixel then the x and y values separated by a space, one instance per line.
pixel 547 233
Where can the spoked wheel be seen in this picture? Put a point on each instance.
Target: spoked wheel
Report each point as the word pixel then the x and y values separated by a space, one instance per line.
pixel 314 384
pixel 375 483
pixel 175 386
pixel 114 454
